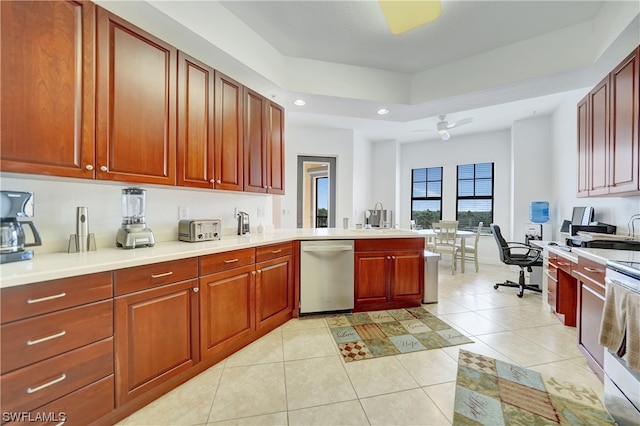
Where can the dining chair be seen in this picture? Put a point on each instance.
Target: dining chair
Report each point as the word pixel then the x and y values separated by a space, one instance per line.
pixel 470 251
pixel 445 240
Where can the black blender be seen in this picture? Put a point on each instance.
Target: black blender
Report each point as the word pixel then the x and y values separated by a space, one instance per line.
pixel 14 205
pixel 134 232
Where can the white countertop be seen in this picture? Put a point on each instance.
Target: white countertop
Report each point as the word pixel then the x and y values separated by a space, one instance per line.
pixel 594 254
pixel 50 266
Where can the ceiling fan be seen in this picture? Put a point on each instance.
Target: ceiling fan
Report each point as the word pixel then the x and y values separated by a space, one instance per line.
pixel 443 126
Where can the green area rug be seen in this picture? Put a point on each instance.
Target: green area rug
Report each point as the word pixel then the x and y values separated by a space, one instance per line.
pixel 367 335
pixel 493 392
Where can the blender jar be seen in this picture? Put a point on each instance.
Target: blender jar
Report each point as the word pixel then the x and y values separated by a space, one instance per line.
pixel 133 206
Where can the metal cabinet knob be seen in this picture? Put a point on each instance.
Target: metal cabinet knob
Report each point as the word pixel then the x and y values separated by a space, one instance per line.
pixel 103 168
pixel 212 181
pixel 89 167
pixel 196 289
pixel 218 181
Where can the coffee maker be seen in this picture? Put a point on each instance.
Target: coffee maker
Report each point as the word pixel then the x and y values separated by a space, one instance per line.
pixel 134 232
pixel 14 205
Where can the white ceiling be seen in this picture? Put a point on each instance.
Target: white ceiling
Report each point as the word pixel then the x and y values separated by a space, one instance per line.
pixel 494 61
pixel 356 33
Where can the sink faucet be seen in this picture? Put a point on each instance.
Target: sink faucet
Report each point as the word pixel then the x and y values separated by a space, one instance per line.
pixel 380 220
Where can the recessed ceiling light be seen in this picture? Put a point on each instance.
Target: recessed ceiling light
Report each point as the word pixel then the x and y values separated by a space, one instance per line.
pixel 299 102
pixel 383 111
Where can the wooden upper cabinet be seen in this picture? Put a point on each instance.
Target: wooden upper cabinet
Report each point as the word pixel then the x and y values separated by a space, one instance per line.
pixel 625 91
pixel 229 149
pixel 583 147
pixel 47 85
pixel 195 123
pixel 275 149
pixel 136 105
pixel 599 138
pixel 255 143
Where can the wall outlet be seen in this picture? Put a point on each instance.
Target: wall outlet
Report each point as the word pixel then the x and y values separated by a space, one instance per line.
pixel 183 212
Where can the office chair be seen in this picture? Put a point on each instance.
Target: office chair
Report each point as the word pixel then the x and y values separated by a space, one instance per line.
pixel 528 257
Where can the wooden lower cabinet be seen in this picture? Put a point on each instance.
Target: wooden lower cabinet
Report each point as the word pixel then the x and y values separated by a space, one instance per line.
pixel 274 292
pixel 156 337
pixel 562 290
pixel 591 295
pixel 389 273
pixel 227 311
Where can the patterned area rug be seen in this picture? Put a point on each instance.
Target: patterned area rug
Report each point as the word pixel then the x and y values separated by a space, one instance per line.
pixel 382 333
pixel 493 392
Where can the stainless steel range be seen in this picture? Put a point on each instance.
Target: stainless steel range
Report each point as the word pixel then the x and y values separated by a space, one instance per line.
pixel 621 383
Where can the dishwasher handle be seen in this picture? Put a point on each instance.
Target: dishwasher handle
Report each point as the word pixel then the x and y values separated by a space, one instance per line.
pixel 328 248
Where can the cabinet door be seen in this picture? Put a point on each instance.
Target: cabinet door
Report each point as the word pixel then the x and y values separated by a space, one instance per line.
pixel 275 143
pixel 407 276
pixel 47 105
pixel 599 139
pixel 625 91
pixel 195 123
pixel 229 144
pixel 156 337
pixel 590 308
pixel 136 106
pixel 274 292
pixel 227 311
pixel 583 147
pixel 255 143
pixel 371 277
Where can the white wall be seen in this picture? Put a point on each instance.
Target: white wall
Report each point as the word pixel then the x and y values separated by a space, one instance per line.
pixel 323 142
pixel 56 199
pixel 385 180
pixel 362 177
pixel 531 177
pixel 479 148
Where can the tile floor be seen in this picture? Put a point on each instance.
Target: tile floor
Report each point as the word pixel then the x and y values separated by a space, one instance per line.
pixel 295 376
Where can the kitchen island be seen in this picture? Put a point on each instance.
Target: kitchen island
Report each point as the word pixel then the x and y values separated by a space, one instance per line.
pixel 98 335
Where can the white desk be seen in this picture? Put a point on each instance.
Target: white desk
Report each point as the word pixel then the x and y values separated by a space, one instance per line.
pixel 462 235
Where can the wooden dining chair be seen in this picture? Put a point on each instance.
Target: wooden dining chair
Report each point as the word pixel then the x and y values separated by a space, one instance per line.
pixel 470 250
pixel 445 240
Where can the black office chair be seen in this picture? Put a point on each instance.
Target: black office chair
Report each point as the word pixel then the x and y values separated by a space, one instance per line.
pixel 527 257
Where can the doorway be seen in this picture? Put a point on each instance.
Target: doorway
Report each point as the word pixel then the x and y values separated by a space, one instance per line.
pixel 316 192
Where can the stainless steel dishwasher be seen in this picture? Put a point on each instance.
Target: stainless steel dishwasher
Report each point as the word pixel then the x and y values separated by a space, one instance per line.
pixel 326 276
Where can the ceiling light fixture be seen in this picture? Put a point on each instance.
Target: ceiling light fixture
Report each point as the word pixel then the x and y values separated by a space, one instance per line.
pixel 404 15
pixel 299 102
pixel 383 111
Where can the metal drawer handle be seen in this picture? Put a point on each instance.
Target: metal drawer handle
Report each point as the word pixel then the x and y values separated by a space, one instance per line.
pixel 588 269
pixel 46 385
pixel 231 260
pixel 44 339
pixel 44 299
pixel 275 251
pixel 564 263
pixel 166 274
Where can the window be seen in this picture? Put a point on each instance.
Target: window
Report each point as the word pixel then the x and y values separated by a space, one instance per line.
pixel 322 202
pixel 474 203
pixel 426 196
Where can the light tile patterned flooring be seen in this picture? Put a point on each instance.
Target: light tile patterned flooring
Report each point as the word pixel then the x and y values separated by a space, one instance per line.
pixel 295 376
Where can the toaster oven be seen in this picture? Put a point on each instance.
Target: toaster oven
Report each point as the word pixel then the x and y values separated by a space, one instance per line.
pixel 199 230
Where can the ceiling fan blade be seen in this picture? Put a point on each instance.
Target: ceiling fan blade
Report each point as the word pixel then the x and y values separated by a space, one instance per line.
pixel 460 122
pixel 422 130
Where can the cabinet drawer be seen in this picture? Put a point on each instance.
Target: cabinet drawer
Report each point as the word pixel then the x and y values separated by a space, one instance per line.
pixel 213 263
pixel 81 407
pixel 41 298
pixel 272 251
pixel 142 277
pixel 389 244
pixel 27 341
pixel 38 384
pixel 564 264
pixel 593 272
